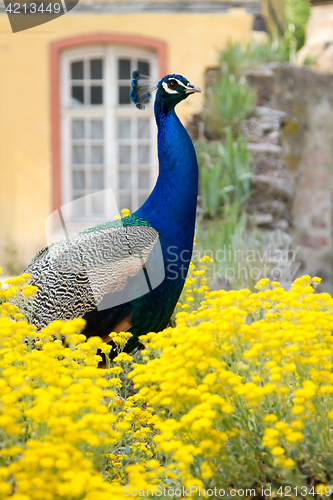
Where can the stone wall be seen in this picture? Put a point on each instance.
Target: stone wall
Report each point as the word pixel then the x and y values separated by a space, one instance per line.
pixel 290 133
pixel 271 200
pixel 306 138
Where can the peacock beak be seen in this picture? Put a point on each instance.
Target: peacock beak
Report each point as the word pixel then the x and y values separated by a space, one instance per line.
pixel 191 89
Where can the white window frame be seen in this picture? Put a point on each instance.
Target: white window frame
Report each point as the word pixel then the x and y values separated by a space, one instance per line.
pixel 109 111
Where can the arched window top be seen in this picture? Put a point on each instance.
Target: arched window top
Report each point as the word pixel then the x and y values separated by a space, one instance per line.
pixel 97 94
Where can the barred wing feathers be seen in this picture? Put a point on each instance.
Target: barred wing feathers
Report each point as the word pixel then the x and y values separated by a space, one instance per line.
pixel 74 275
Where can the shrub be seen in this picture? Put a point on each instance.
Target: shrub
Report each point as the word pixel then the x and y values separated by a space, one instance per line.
pixel 228 103
pixel 234 59
pixel 210 174
pixel 225 172
pixel 236 169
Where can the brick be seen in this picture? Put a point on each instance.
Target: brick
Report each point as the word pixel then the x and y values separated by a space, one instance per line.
pixel 316 157
pixel 314 242
pixel 303 204
pixel 314 178
pixel 319 222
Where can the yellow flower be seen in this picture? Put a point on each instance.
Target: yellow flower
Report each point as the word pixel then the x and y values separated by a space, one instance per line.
pixel 297 424
pixel 262 284
pixel 123 357
pixel 270 418
pixel 277 451
pixel 29 290
pixel 271 433
pixel 288 463
pixel 293 437
pixel 123 426
pixel 320 488
pixel 152 464
pixel 227 408
pixel 297 409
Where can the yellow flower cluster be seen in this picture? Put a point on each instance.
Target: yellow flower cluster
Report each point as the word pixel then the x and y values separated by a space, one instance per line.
pixel 246 381
pixel 61 417
pixel 194 287
pixel 238 392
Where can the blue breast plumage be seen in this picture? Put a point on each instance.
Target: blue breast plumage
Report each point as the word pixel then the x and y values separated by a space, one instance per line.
pixel 127 275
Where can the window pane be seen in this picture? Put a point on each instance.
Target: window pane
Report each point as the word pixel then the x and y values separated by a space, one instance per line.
pixel 97 156
pixel 124 129
pixel 143 128
pixel 79 205
pixel 77 70
pixel 143 155
pixel 97 179
pixel 78 155
pixel 97 204
pixel 143 68
pixel 78 129
pixel 125 155
pixel 96 95
pixel 124 97
pixel 77 94
pixel 144 178
pixel 125 202
pixel 78 179
pixel 125 181
pixel 96 69
pixel 124 69
pixel 97 131
pixel 142 199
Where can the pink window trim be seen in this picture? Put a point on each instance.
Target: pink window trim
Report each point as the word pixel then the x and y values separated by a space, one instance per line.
pixel 56 48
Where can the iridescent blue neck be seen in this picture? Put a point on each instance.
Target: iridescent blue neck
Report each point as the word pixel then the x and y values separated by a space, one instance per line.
pixel 171 207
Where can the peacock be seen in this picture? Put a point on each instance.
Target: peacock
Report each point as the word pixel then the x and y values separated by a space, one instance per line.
pixel 127 275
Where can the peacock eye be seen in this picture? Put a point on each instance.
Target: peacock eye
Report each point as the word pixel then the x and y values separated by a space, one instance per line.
pixel 172 84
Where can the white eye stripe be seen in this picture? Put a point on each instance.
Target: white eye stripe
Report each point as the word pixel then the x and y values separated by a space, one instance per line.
pixel 180 83
pixel 169 91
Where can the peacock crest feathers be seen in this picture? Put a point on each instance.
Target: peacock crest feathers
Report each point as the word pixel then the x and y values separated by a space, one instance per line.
pixel 142 89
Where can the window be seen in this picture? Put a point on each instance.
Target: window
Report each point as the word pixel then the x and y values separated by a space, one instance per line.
pixel 106 142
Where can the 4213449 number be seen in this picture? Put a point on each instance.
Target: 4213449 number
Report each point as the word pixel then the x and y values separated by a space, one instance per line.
pixel 34 8
pixel 304 491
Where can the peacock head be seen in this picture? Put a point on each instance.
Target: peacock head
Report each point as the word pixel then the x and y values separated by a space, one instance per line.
pixel 170 90
pixel 175 88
